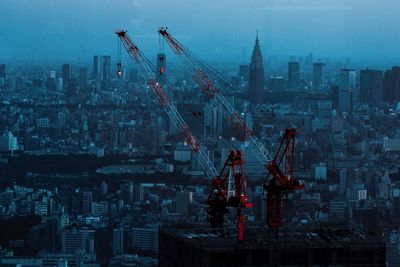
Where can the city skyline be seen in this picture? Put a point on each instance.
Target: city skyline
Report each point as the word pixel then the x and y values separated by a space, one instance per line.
pixel 251 133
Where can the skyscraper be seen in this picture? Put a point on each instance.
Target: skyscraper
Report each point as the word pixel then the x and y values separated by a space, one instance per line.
pixel 319 75
pixel 391 85
pixel 347 93
pixel 52 228
pixel 371 86
pixel 66 74
pixel 293 74
pixel 101 68
pixel 256 77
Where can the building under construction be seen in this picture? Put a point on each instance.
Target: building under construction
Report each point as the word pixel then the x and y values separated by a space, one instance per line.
pixel 210 247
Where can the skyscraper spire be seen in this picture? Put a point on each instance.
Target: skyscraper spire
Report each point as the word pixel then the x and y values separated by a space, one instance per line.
pixel 256 79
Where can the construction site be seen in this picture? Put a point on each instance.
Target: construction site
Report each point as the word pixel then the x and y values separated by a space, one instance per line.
pixel 219 244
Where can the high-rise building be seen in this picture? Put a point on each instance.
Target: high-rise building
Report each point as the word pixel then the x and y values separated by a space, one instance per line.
pixel 52 241
pixel 144 238
pixel 2 75
pixel 66 74
pixel 319 75
pixel 86 202
pixel 183 202
pixel 256 75
pixel 347 90
pixel 118 241
pixel 293 74
pixel 127 192
pixel 75 240
pixel 391 85
pixel 371 86
pixel 101 68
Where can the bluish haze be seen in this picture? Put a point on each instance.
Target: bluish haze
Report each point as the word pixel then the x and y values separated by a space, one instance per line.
pixel 77 29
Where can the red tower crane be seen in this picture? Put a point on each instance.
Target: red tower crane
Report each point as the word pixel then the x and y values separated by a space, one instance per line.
pixel 229 186
pixel 278 183
pixel 229 190
pixel 280 179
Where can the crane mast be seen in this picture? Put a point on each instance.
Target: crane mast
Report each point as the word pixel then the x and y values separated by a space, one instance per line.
pixel 280 179
pixel 229 190
pixel 148 70
pixel 204 76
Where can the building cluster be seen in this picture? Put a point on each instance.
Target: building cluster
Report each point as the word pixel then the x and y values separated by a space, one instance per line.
pixel 347 151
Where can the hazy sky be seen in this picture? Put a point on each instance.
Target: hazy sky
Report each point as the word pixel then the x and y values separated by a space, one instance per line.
pixel 77 29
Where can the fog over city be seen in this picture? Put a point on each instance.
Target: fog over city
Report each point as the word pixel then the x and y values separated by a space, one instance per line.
pixel 363 29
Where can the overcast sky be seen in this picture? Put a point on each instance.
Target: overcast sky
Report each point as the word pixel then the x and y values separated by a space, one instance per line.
pixel 77 29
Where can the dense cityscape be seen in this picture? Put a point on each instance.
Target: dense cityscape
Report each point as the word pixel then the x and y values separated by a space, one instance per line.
pixel 94 173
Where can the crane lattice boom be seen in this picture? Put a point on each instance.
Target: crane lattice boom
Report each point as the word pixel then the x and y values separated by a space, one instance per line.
pixel 148 71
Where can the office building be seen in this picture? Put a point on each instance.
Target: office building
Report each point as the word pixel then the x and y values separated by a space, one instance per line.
pixel 293 74
pixel 126 192
pixel 86 202
pixel 102 68
pixel 66 74
pixel 371 82
pixel 256 75
pixel 391 85
pixel 144 238
pixel 118 241
pixel 347 90
pixel 183 202
pixel 52 240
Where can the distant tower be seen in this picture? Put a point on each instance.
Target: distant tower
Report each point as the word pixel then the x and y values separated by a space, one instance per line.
pixel 102 71
pixel 391 85
pixel 347 93
pixel 66 74
pixel 319 75
pixel 256 76
pixel 371 86
pixel 293 74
